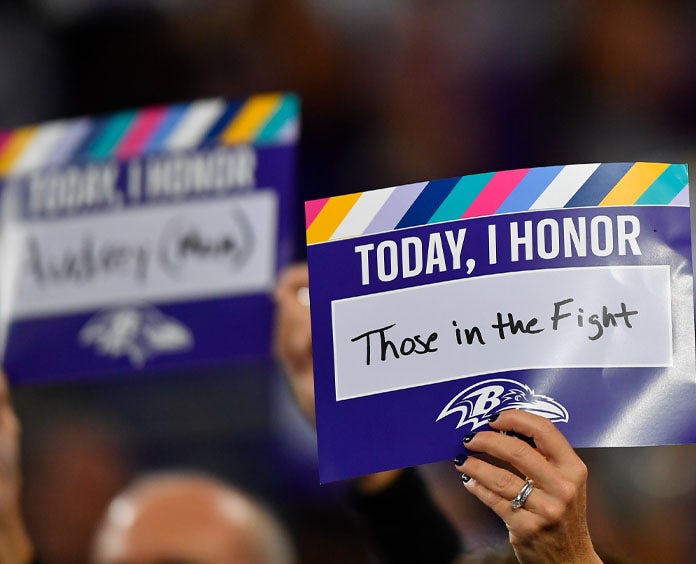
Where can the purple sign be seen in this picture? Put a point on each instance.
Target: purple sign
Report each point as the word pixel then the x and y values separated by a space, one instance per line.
pixel 145 240
pixel 564 291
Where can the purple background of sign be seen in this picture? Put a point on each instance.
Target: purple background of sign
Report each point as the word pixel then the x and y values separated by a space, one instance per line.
pixel 397 429
pixel 225 330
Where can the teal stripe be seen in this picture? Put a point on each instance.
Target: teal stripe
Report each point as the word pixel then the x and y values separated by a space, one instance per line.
pixel 666 187
pixel 111 135
pixel 461 196
pixel 289 109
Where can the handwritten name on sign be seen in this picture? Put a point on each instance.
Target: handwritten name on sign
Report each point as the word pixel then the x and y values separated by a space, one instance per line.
pixel 559 286
pixel 417 345
pixel 200 249
pixel 575 317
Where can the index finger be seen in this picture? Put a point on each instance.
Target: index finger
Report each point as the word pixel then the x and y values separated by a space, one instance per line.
pixel 549 440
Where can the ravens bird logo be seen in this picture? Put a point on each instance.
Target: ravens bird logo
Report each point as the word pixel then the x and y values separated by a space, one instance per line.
pixel 478 402
pixel 137 333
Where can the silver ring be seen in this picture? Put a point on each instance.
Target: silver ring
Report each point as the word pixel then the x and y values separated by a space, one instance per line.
pixel 522 496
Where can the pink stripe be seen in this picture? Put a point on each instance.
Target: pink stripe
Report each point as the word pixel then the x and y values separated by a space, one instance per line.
pixel 495 192
pixel 312 209
pixel 4 138
pixel 140 132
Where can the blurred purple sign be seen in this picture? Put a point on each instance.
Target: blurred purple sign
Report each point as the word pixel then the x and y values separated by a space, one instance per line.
pixel 145 240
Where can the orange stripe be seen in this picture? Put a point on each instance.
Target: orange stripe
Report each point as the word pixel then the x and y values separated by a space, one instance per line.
pixel 251 118
pixel 14 148
pixel 636 181
pixel 330 217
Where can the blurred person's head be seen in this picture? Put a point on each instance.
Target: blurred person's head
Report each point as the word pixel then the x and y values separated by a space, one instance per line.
pixel 184 518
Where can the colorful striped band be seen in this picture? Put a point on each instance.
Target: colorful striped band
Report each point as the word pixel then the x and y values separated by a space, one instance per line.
pixel 264 119
pixel 571 186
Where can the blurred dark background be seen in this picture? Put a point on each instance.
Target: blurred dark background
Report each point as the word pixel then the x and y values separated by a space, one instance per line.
pixel 393 91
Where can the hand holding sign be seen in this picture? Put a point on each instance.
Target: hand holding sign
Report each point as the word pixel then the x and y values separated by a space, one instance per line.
pixel 551 524
pixel 562 538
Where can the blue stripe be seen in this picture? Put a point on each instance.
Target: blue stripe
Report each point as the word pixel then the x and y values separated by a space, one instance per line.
pixel 170 121
pixel 428 201
pixel 599 184
pixel 221 124
pixel 529 189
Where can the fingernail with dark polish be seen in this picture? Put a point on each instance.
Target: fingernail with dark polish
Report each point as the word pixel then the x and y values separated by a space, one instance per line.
pixel 459 459
pixel 468 438
pixel 493 417
pixel 465 478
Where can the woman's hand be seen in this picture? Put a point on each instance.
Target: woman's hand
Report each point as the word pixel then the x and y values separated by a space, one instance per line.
pixel 551 526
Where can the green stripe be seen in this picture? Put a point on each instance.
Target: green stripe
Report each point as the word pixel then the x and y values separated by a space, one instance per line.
pixel 461 196
pixel 289 109
pixel 112 134
pixel 666 187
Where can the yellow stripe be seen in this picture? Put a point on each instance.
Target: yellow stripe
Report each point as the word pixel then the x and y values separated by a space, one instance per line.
pixel 251 118
pixel 14 148
pixel 330 217
pixel 636 181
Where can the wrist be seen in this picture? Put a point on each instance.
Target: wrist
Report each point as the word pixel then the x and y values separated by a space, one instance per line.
pixel 594 559
pixel 588 556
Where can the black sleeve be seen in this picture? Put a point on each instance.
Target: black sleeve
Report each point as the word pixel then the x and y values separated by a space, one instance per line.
pixel 405 523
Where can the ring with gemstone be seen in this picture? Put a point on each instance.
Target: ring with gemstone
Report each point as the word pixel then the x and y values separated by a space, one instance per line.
pixel 523 494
